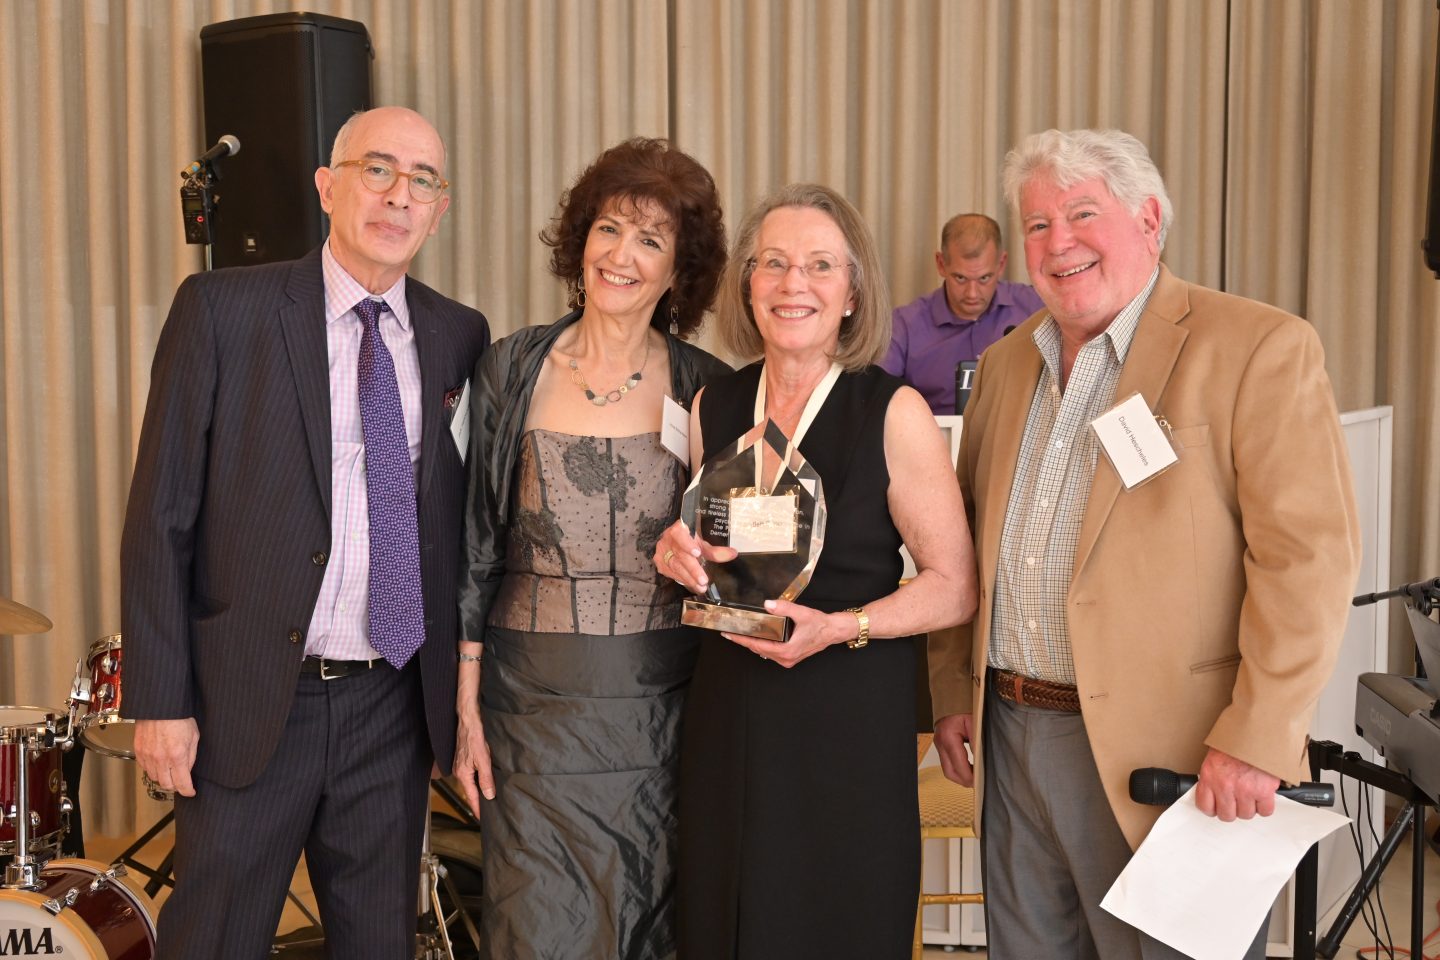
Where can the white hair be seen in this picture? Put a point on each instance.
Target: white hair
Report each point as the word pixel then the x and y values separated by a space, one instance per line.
pixel 1074 156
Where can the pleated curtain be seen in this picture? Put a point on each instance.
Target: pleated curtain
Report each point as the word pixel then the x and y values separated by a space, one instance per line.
pixel 1294 136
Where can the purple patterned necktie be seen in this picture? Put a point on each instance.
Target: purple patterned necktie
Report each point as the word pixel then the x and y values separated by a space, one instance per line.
pixel 397 610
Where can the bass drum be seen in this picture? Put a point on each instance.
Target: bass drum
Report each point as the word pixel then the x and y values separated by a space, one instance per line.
pixel 81 909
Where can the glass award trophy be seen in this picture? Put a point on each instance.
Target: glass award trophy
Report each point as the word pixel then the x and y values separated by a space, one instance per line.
pixel 761 498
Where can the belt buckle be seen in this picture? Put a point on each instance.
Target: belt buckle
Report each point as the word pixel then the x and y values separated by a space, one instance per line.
pixel 328 676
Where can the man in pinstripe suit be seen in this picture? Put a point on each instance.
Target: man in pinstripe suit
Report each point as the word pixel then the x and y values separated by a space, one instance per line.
pixel 293 690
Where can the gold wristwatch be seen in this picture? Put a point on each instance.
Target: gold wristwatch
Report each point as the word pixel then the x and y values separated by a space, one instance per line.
pixel 863 619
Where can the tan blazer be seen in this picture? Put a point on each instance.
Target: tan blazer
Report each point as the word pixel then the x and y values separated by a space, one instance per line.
pixel 1207 606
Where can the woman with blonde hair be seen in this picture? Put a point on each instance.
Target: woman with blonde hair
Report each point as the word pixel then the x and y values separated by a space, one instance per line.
pixel 800 832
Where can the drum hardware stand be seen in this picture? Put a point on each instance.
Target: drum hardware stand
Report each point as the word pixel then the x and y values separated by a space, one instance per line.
pixel 435 922
pixel 439 874
pixel 22 871
pixel 456 802
pixel 433 939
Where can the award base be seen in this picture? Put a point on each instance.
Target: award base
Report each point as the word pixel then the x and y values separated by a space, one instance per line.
pixel 749 621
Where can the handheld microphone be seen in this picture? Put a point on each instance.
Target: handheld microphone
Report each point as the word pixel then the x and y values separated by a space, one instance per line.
pixel 1159 787
pixel 226 146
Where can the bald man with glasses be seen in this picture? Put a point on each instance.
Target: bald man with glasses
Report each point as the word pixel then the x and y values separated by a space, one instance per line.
pixel 290 562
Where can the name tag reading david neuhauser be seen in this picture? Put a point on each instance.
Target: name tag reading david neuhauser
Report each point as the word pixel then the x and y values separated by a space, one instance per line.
pixel 1133 441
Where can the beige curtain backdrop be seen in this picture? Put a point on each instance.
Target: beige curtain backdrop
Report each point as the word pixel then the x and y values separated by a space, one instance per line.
pixel 1294 136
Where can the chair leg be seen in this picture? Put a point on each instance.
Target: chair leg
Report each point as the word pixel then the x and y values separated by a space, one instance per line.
pixel 917 950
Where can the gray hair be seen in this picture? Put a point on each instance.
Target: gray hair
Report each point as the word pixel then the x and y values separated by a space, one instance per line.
pixel 864 335
pixel 342 137
pixel 347 130
pixel 1074 156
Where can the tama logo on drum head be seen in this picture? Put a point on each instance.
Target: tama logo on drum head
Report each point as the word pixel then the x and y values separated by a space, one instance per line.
pixel 28 942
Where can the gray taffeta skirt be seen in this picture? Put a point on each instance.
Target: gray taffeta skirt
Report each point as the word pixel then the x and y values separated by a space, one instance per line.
pixel 579 842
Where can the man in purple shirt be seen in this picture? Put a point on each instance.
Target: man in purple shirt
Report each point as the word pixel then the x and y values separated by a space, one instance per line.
pixel 971 310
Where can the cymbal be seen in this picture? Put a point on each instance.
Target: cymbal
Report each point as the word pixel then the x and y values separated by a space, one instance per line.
pixel 18 618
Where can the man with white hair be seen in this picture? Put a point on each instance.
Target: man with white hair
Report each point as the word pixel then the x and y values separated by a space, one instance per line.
pixel 1184 618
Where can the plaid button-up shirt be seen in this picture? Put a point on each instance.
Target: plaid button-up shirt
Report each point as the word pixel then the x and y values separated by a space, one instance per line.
pixel 1029 632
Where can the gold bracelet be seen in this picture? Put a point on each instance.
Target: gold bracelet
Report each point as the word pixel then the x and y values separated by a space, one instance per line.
pixel 863 620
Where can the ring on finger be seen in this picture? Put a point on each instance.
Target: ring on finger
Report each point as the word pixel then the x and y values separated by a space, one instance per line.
pixel 668 555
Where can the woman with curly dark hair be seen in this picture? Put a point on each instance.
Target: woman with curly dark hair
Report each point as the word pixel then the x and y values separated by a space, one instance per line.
pixel 574 665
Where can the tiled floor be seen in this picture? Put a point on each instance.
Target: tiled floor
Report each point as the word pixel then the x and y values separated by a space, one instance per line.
pixel 1394 892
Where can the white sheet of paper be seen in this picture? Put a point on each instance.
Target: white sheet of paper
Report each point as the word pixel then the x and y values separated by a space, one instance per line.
pixel 460 423
pixel 1203 886
pixel 675 431
pixel 1133 441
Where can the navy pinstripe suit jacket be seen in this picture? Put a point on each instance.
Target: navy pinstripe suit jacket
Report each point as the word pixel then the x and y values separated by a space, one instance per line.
pixel 228 525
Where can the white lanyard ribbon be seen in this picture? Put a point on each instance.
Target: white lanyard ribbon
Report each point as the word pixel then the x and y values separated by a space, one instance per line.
pixel 807 416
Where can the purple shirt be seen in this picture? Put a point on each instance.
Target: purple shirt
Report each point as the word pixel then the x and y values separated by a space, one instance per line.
pixel 928 340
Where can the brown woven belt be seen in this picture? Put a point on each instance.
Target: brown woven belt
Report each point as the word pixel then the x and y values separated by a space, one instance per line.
pixel 1036 693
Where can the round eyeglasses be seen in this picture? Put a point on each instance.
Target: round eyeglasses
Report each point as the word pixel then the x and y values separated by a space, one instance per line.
pixel 820 269
pixel 425 187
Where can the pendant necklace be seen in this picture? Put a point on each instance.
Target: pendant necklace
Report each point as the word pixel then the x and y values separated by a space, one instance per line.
pixel 617 394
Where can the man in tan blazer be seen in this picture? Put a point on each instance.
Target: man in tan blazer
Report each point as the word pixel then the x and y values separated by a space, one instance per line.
pixel 1188 622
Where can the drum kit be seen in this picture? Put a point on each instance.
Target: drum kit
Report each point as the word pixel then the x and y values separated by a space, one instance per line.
pixel 86 910
pixel 51 904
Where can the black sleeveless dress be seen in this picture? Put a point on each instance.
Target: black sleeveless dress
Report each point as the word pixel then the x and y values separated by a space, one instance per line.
pixel 799 822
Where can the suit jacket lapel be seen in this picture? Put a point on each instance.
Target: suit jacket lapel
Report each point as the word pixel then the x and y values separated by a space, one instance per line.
pixel 1007 429
pixel 1152 357
pixel 303 326
pixel 429 347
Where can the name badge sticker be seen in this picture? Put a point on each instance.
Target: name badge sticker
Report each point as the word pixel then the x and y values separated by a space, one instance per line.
pixel 460 421
pixel 1134 441
pixel 675 431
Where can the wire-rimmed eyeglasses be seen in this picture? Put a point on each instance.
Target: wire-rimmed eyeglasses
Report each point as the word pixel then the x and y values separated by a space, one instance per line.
pixel 818 270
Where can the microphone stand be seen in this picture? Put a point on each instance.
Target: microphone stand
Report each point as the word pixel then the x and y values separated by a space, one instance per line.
pixel 197 205
pixel 1423 595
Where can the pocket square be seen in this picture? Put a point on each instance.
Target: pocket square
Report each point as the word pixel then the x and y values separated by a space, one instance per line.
pixel 452 400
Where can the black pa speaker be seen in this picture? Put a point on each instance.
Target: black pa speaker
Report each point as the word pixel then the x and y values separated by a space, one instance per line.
pixel 282 84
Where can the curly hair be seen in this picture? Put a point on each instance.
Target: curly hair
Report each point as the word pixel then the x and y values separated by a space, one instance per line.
pixel 644 169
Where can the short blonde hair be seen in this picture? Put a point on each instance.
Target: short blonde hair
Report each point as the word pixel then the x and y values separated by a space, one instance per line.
pixel 864 335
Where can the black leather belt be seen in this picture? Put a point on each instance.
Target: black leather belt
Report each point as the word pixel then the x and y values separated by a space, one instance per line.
pixel 335 669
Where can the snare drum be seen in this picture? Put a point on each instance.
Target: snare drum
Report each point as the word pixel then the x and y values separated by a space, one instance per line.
pixel 81 909
pixel 28 735
pixel 102 729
